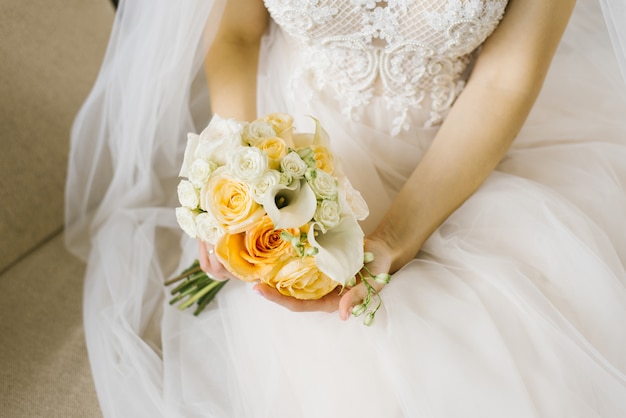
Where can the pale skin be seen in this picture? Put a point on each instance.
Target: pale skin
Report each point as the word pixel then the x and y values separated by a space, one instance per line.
pixel 476 134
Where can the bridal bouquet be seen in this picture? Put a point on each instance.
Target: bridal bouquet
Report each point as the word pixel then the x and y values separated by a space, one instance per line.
pixel 274 205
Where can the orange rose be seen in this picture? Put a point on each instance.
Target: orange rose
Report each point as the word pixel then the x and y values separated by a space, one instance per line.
pixel 256 253
pixel 230 202
pixel 275 148
pixel 323 158
pixel 300 278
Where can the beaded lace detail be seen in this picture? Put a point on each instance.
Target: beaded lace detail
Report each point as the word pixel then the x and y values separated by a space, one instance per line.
pixel 412 53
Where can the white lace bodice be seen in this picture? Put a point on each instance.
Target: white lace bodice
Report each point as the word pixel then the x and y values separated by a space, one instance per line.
pixel 413 53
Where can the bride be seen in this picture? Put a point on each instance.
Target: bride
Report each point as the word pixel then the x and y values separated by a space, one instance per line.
pixel 489 141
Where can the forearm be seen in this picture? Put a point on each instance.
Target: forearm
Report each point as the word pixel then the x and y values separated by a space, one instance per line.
pixel 466 150
pixel 481 126
pixel 231 69
pixel 232 61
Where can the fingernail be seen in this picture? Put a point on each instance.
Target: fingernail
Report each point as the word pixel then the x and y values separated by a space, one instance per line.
pixel 256 290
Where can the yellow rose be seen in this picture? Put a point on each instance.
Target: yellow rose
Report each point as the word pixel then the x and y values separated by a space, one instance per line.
pixel 281 122
pixel 300 278
pixel 275 148
pixel 256 253
pixel 230 202
pixel 323 158
pixel 283 125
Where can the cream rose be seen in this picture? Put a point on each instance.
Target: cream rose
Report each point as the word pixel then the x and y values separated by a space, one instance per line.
pixel 328 213
pixel 259 188
pixel 301 279
pixel 230 201
pixel 208 229
pixel 188 195
pixel 247 164
pixel 293 166
pixel 187 221
pixel 200 171
pixel 255 132
pixel 324 185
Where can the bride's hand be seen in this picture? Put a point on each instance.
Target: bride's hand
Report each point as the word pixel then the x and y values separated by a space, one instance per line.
pixel 210 264
pixel 343 302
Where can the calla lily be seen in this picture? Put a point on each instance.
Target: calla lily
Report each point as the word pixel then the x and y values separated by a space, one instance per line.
pixel 290 206
pixel 340 250
pixel 320 137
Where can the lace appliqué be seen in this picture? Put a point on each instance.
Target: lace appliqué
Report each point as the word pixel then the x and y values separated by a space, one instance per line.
pixel 411 53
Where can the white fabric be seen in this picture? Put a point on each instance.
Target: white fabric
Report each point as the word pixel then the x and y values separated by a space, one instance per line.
pixel 515 307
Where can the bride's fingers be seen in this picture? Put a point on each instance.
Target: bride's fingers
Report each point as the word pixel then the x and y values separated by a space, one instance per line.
pixel 210 264
pixel 350 299
pixel 326 304
pixel 203 256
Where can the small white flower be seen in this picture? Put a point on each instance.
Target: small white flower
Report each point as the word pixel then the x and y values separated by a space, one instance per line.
pixel 187 221
pixel 293 165
pixel 188 195
pixel 324 185
pixel 359 310
pixel 256 131
pixel 328 214
pixel 248 164
pixel 260 187
pixel 209 230
pixel 383 278
pixel 368 257
pixel 200 171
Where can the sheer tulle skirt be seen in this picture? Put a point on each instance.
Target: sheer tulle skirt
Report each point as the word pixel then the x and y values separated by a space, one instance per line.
pixel 516 306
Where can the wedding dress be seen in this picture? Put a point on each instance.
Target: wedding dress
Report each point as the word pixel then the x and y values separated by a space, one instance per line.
pixel 516 305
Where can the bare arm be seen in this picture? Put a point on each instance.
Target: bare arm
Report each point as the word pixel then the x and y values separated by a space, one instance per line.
pixel 231 63
pixel 481 126
pixel 231 69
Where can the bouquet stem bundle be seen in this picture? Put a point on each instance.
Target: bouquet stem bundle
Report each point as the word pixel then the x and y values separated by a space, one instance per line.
pixel 196 287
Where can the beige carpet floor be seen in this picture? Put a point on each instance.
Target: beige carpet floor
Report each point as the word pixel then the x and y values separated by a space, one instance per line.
pixel 50 53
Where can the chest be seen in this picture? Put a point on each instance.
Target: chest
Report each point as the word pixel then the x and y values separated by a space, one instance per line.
pixel 439 27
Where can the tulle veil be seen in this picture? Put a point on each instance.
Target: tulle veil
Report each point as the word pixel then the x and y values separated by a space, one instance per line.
pixel 126 149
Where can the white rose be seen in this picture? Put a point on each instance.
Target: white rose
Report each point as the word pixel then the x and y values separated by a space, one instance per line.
pixel 268 179
pixel 208 228
pixel 219 139
pixel 248 164
pixel 293 166
pixel 188 195
pixel 187 221
pixel 190 150
pixel 328 213
pixel 324 185
pixel 200 171
pixel 256 131
pixel 353 199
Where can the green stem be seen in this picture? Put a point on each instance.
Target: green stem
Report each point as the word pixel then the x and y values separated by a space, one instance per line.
pixel 184 274
pixel 198 295
pixel 208 297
